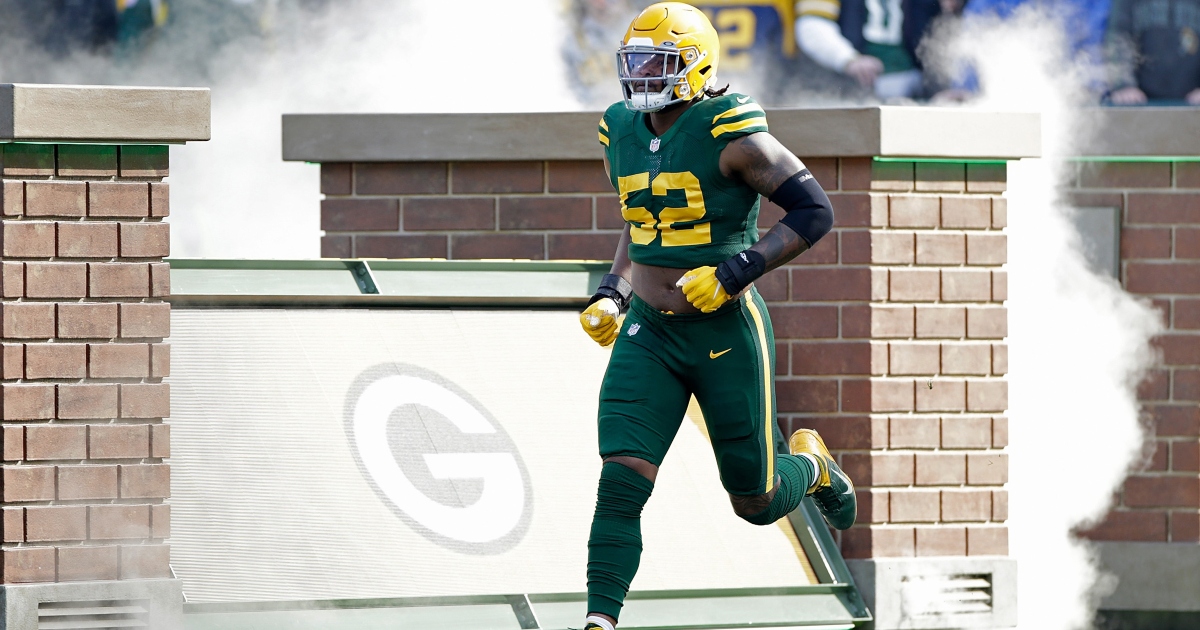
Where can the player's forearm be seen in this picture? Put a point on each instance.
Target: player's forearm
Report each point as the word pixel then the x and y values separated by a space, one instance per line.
pixel 621 265
pixel 779 245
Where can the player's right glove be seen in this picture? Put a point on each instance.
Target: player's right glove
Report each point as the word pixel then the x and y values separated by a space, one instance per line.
pixel 602 321
pixel 602 318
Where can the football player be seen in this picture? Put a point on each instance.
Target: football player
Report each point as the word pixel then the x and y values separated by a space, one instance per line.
pixel 689 163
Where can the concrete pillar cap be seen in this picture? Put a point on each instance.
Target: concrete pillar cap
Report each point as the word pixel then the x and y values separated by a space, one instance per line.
pixel 103 114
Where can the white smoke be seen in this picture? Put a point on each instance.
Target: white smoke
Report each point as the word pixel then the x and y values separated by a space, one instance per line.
pixel 234 196
pixel 1079 343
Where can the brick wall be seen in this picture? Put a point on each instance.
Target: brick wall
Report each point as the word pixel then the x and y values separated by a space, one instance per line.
pixel 82 399
pixel 894 337
pixel 890 333
pixel 1160 260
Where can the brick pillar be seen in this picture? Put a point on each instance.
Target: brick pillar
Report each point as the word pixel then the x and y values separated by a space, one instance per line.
pixel 1160 257
pixel 891 343
pixel 83 324
pixel 1160 260
pixel 895 331
pixel 84 319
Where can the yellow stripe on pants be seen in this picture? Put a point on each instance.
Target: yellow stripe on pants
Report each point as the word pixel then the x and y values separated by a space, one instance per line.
pixel 761 330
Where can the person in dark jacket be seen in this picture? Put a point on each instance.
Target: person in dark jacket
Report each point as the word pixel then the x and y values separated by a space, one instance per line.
pixel 1154 45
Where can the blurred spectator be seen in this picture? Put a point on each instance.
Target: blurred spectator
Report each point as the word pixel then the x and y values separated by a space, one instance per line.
pixel 597 27
pixel 873 42
pixel 135 21
pixel 1083 20
pixel 67 26
pixel 1155 48
pixel 1083 23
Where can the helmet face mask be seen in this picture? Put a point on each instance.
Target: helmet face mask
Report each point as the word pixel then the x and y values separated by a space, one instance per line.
pixel 668 56
pixel 653 77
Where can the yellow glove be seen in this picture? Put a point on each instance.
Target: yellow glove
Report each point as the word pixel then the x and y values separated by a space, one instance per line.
pixel 602 321
pixel 702 289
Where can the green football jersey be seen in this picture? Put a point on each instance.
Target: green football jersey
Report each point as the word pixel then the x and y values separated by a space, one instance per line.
pixel 682 212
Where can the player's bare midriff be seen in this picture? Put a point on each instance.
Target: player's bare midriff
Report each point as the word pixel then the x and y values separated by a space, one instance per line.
pixel 656 286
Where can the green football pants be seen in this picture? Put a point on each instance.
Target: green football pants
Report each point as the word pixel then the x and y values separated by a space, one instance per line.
pixel 725 358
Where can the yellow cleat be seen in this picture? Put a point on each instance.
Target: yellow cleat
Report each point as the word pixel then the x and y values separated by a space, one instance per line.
pixel 833 491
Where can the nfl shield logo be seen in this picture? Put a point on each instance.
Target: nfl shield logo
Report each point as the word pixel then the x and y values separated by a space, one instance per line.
pixel 633 330
pixel 654 145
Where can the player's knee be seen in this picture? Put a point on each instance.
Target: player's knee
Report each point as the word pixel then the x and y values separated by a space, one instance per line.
pixel 622 492
pixel 754 509
pixel 636 464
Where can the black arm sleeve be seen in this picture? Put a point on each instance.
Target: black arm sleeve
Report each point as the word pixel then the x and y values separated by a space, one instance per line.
pixel 809 211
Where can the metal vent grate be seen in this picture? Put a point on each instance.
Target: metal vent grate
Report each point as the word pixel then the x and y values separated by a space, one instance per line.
pixel 947 594
pixel 93 615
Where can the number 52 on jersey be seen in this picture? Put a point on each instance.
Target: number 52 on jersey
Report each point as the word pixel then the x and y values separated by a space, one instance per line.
pixel 677 226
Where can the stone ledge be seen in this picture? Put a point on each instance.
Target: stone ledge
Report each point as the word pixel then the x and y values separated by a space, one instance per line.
pixel 1152 576
pixel 110 114
pixel 828 132
pixel 1140 132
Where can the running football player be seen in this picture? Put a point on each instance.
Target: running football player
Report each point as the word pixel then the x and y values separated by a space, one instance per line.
pixel 689 163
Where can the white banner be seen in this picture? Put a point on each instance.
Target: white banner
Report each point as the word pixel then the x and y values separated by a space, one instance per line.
pixel 348 453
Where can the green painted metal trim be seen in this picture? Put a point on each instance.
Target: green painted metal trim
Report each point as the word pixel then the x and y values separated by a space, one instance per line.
pixel 828 547
pixel 335 604
pixel 114 143
pixel 475 600
pixel 944 160
pixel 825 548
pixel 255 263
pixel 235 282
pixel 1071 158
pixel 1132 158
pixel 390 265
pixel 806 589
pixel 525 607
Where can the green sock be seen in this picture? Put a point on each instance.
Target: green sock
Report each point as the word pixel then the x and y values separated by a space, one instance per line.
pixel 615 546
pixel 795 476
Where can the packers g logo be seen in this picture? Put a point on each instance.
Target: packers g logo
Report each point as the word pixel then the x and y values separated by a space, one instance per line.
pixel 438 459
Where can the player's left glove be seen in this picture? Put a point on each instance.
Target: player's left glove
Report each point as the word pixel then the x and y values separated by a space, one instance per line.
pixel 707 288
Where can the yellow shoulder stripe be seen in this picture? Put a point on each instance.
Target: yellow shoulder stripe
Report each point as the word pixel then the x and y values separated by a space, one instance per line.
pixel 829 9
pixel 738 111
pixel 740 125
pixel 603 139
pixel 603 125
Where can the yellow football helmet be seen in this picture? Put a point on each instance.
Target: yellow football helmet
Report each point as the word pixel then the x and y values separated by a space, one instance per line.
pixel 669 55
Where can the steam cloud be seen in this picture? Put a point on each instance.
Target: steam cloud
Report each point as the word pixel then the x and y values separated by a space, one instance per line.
pixel 1079 344
pixel 233 197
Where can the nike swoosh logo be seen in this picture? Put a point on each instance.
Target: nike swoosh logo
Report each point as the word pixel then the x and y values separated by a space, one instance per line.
pixel 713 355
pixel 743 99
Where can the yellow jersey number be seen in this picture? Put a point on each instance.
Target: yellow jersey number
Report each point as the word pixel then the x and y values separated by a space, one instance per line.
pixel 644 228
pixel 736 27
